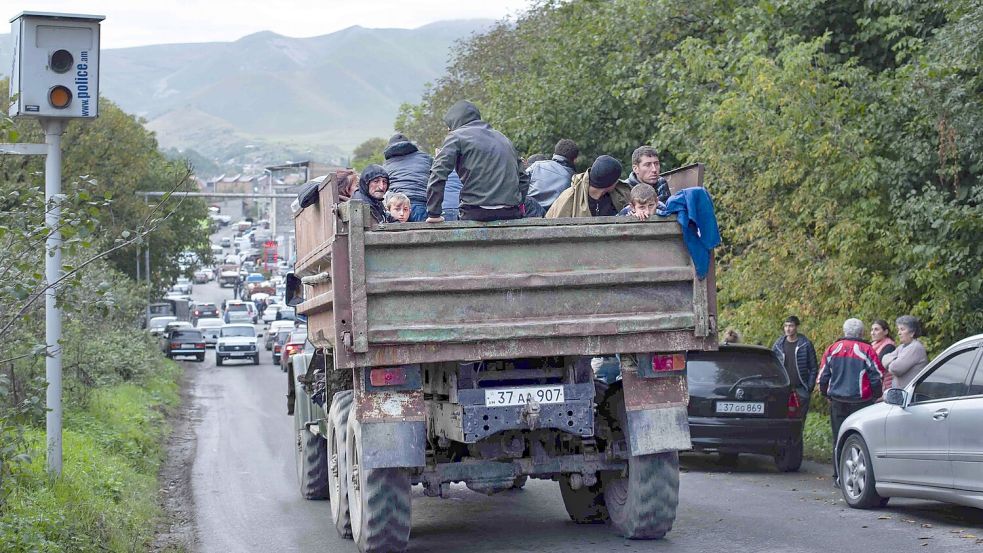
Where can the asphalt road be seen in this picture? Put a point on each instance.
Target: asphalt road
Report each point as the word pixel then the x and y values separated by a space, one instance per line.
pixel 246 496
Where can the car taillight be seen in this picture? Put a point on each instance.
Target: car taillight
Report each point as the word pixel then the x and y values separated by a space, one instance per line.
pixel 201 345
pixel 668 362
pixel 794 405
pixel 175 344
pixel 387 377
pixel 197 312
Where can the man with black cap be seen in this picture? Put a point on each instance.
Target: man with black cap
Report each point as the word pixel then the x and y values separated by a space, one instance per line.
pixel 408 170
pixel 372 187
pixel 596 193
pixel 493 181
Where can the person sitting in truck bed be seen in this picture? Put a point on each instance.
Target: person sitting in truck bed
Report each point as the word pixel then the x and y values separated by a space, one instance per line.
pixel 399 207
pixel 644 202
pixel 408 169
pixel 372 187
pixel 594 193
pixel 493 181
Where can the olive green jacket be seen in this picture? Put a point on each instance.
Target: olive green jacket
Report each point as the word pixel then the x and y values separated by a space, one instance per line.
pixel 573 201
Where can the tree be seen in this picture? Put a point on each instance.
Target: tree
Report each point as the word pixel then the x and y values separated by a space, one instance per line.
pixel 368 152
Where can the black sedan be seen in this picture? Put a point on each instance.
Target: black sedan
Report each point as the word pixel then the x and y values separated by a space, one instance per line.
pixel 187 342
pixel 741 401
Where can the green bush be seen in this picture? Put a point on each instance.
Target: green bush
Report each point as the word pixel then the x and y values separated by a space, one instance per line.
pixel 817 438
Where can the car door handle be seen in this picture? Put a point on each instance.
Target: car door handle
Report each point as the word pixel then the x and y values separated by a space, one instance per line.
pixel 941 414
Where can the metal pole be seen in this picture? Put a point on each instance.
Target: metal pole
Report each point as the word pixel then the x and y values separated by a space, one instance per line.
pixel 146 260
pixel 52 271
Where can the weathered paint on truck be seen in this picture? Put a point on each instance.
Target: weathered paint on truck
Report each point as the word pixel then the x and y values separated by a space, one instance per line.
pixel 395 294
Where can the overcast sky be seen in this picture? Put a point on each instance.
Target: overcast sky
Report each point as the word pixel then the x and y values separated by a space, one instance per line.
pixel 140 22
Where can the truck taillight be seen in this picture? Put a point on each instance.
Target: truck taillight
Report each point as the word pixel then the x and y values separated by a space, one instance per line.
pixel 394 376
pixel 794 405
pixel 668 362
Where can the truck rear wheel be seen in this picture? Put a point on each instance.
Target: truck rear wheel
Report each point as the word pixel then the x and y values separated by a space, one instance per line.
pixel 642 504
pixel 378 500
pixel 312 460
pixel 584 505
pixel 341 407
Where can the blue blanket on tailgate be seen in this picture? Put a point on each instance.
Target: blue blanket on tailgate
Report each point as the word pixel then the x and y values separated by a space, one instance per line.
pixel 694 211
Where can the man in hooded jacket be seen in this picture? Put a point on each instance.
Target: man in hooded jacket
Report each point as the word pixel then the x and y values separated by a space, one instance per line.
pixel 408 170
pixel 493 181
pixel 595 193
pixel 372 187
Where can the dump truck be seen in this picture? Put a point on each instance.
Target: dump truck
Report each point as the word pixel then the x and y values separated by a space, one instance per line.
pixel 464 353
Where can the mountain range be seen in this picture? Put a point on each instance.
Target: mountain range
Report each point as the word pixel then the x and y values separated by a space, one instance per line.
pixel 308 97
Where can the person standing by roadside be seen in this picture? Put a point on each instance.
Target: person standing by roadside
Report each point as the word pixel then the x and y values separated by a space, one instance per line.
pixel 880 339
pixel 798 355
pixel 850 377
pixel 905 362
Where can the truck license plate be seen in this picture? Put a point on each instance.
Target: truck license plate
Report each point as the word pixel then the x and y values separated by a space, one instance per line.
pixel 741 407
pixel 501 397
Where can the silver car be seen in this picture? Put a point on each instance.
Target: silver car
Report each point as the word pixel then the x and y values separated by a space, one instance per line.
pixel 924 441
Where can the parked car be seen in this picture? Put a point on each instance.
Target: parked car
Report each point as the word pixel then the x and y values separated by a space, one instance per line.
pixel 286 313
pixel 923 441
pixel 294 344
pixel 225 242
pixel 157 324
pixel 210 328
pixel 204 310
pixel 276 327
pixel 278 342
pixel 237 341
pixel 742 401
pixel 183 342
pixel 175 325
pixel 182 284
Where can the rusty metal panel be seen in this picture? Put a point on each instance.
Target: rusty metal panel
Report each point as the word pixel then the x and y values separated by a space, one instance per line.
pixel 653 393
pixel 658 430
pixel 405 406
pixel 419 293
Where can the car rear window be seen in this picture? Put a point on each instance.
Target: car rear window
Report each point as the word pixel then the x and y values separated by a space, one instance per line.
pixel 298 337
pixel 237 307
pixel 205 306
pixel 727 366
pixel 187 335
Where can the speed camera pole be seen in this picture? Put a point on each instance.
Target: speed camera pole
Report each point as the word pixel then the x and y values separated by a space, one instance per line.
pixel 55 79
pixel 53 129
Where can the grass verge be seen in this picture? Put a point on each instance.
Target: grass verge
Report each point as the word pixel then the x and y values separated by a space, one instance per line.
pixel 817 438
pixel 106 498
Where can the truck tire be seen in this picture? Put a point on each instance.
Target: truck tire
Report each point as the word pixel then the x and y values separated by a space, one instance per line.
pixel 378 501
pixel 585 505
pixel 789 457
pixel 642 505
pixel 337 438
pixel 312 460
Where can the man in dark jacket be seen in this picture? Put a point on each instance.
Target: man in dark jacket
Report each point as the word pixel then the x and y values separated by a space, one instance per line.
pixel 493 181
pixel 850 377
pixel 408 170
pixel 372 187
pixel 798 355
pixel 646 168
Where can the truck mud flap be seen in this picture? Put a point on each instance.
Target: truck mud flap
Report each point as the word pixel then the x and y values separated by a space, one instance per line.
pixel 657 416
pixel 394 432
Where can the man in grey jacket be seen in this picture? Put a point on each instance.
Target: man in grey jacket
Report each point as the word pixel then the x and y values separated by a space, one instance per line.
pixel 408 170
pixel 494 184
pixel 549 178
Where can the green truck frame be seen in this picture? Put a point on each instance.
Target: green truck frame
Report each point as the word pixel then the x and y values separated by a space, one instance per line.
pixel 461 352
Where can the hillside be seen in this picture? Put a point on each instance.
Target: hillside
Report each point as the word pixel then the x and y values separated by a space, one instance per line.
pixel 322 94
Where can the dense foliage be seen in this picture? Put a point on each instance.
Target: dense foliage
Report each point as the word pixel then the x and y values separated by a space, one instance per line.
pixel 842 139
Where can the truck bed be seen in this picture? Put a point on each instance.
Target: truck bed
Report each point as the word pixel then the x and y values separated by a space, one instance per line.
pixel 393 294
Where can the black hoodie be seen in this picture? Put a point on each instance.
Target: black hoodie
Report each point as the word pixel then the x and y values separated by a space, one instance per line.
pixel 371 173
pixel 484 158
pixel 408 168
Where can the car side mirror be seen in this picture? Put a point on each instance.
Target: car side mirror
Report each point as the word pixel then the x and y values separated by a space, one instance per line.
pixel 295 290
pixel 895 396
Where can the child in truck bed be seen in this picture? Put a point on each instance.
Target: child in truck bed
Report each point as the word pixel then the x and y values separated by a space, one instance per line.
pixel 399 207
pixel 643 204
